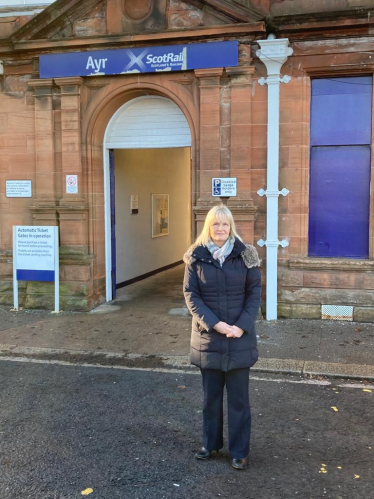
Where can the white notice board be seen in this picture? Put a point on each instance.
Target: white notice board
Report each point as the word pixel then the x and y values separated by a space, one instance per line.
pixel 18 189
pixel 35 257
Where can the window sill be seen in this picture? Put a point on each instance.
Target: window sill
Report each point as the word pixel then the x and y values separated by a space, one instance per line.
pixel 342 264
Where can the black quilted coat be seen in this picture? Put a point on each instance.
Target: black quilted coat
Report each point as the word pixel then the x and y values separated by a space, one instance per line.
pixel 231 293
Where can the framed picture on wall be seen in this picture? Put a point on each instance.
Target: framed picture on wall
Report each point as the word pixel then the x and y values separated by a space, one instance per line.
pixel 160 215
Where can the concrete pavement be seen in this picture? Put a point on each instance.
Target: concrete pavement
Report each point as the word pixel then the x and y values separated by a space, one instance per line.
pixel 148 326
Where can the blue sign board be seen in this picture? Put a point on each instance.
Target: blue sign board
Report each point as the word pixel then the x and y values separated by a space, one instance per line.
pixel 224 187
pixel 140 60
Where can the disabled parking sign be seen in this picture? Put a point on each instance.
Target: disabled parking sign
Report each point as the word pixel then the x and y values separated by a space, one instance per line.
pixel 224 187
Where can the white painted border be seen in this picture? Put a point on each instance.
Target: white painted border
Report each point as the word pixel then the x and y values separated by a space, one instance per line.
pixel 106 147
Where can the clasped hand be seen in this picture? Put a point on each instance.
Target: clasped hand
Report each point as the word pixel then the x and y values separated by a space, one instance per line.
pixel 229 331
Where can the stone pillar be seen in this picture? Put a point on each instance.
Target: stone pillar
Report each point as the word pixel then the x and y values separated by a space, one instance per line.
pixel 73 210
pixel 210 139
pixel 242 206
pixel 44 206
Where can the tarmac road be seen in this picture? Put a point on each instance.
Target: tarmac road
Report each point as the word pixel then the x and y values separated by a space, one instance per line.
pixel 131 434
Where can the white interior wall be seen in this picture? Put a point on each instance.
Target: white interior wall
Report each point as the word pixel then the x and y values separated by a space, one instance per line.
pixel 144 172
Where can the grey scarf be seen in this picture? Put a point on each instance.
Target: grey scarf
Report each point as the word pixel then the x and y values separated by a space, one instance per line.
pixel 222 253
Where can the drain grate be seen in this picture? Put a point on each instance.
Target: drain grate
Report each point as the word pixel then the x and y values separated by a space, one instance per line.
pixel 337 312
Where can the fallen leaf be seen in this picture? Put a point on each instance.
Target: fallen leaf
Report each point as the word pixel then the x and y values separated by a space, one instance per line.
pixel 339 467
pixel 357 476
pixel 335 409
pixel 323 465
pixel 264 336
pixel 366 390
pixel 181 387
pixel 86 492
pixel 358 329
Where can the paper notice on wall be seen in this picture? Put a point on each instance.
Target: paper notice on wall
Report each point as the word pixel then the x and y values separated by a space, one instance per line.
pixel 72 184
pixel 18 189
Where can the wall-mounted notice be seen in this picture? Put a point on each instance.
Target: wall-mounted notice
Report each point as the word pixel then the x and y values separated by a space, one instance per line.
pixel 35 257
pixel 134 204
pixel 72 184
pixel 18 189
pixel 224 187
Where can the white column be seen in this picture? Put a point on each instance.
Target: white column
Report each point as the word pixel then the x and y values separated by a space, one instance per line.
pixel 273 53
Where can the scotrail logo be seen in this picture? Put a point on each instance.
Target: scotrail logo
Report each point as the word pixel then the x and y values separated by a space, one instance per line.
pixel 136 60
pixel 153 61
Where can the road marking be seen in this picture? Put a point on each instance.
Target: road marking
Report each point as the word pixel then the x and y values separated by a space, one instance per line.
pixel 315 382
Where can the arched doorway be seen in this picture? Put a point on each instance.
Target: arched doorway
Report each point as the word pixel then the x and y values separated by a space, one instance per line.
pixel 147 189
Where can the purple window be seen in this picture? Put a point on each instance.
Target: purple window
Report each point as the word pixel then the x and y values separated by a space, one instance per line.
pixel 340 167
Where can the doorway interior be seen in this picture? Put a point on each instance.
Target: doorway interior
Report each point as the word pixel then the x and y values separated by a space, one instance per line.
pixel 147 174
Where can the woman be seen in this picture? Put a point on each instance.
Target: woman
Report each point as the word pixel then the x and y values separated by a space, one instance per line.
pixel 222 288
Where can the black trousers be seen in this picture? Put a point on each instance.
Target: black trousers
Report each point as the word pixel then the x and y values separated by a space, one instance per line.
pixel 239 413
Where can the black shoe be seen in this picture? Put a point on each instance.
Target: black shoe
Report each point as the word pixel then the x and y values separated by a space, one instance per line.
pixel 204 453
pixel 239 464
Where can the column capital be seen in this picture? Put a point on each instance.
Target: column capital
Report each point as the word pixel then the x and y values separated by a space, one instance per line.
pixel 42 88
pixel 44 83
pixel 71 81
pixel 209 77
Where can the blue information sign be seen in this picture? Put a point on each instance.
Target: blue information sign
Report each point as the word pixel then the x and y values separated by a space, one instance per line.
pixel 140 60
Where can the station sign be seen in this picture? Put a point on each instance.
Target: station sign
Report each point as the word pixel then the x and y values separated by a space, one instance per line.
pixel 224 187
pixel 35 257
pixel 140 60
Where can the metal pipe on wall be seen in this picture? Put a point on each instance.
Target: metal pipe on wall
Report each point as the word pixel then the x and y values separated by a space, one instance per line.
pixel 273 53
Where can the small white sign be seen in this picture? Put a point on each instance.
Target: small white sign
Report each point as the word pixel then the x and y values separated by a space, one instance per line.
pixel 72 184
pixel 18 188
pixel 134 204
pixel 224 187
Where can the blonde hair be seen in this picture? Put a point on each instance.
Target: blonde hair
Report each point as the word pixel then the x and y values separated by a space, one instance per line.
pixel 220 213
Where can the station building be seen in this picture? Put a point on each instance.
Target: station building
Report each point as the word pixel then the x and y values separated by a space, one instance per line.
pixel 121 112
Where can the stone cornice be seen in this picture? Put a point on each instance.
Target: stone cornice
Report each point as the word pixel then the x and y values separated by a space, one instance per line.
pixel 122 41
pixel 237 12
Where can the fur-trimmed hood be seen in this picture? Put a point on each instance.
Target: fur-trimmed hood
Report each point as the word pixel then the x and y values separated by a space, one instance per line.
pixel 247 252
